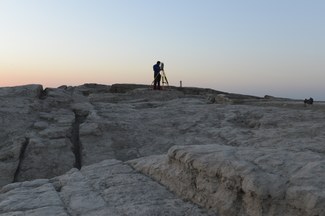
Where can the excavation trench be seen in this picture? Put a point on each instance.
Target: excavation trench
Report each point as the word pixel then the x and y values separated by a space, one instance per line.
pixel 75 139
pixel 21 158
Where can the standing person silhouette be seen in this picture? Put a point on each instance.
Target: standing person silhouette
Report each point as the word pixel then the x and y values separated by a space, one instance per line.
pixel 157 76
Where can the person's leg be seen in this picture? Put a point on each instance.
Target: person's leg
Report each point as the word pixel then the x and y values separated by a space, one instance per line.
pixel 158 81
pixel 155 83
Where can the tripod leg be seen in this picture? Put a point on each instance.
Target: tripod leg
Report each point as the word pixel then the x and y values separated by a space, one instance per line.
pixel 165 77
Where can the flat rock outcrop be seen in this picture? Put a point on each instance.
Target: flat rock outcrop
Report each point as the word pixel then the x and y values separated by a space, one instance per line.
pixel 277 144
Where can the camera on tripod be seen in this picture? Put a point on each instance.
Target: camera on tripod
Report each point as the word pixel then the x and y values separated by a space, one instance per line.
pixel 164 79
pixel 161 66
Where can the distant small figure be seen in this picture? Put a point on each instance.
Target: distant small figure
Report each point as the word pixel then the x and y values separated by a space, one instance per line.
pixel 309 101
pixel 157 76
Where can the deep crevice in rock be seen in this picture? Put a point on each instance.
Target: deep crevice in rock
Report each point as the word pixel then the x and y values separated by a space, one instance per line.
pixel 75 139
pixel 21 158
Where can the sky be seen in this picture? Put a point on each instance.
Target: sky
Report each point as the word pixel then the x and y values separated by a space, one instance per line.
pixel 269 47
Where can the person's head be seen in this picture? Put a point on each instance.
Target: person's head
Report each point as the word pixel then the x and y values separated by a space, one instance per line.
pixel 158 62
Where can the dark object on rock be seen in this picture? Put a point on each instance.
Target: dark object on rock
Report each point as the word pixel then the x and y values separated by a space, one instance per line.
pixel 309 101
pixel 268 97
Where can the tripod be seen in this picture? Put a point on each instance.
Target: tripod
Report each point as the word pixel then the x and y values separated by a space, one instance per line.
pixel 164 80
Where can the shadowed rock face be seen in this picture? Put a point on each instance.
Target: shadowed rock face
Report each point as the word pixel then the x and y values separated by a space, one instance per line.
pixel 46 133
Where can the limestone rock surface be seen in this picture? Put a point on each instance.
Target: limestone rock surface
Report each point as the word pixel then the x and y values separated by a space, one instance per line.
pixel 110 187
pixel 277 145
pixel 17 113
pixel 242 180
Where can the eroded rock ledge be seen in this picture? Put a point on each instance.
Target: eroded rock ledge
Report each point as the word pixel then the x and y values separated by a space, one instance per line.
pixel 242 180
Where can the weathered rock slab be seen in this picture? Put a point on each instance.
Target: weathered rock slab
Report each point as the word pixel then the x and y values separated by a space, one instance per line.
pixel 107 188
pixel 242 180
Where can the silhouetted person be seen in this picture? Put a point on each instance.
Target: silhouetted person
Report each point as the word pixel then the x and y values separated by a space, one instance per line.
pixel 157 76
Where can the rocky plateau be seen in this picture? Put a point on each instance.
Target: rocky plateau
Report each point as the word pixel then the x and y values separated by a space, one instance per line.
pixel 126 149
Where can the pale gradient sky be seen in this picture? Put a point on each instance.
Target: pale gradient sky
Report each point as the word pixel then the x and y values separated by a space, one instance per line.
pixel 258 47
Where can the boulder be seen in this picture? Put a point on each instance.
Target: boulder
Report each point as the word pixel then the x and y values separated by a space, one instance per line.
pixel 29 91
